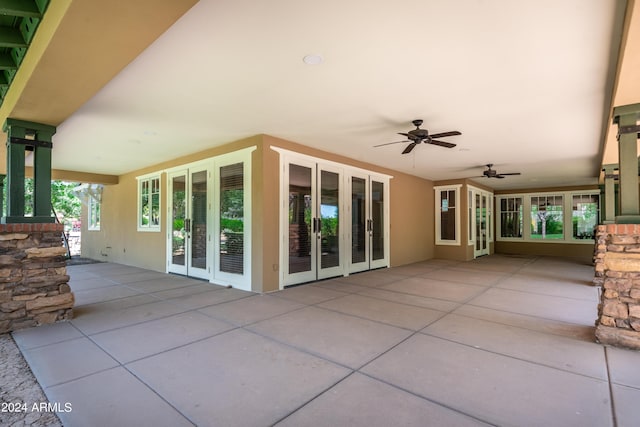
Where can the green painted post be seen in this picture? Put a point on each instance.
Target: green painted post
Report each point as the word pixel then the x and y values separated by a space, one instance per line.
pixel 42 177
pixel 15 176
pixel 21 136
pixel 609 194
pixel 626 117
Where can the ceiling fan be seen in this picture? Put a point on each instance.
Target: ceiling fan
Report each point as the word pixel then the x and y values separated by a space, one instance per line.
pixel 418 135
pixel 492 173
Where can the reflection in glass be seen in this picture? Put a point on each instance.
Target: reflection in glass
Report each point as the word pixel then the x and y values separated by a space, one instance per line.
pixel 547 217
pixel 329 219
pixel 178 234
pixel 377 216
pixel 511 217
pixel 448 215
pixel 483 222
pixel 585 215
pixel 155 202
pixel 358 220
pixel 299 219
pixel 199 219
pixel 478 223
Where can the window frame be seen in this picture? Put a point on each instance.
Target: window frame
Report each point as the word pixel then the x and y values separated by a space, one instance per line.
pixel 438 210
pixel 149 178
pixel 93 204
pixel 498 216
pixel 567 216
pixel 598 211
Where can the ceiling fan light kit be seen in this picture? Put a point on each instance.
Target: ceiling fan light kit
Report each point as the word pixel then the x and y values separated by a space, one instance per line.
pixel 417 136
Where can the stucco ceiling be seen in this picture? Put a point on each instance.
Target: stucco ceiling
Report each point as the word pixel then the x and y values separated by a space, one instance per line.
pixel 529 85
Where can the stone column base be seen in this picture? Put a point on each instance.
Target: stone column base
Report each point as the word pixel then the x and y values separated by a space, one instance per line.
pixel 618 337
pixel 34 288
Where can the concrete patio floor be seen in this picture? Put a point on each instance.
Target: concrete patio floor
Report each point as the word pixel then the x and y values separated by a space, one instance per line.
pixel 496 341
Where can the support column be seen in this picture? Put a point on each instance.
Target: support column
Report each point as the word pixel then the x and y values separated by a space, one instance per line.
pixel 626 117
pixel 25 136
pixel 609 214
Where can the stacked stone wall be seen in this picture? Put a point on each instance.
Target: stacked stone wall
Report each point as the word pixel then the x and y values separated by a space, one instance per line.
pixel 617 271
pixel 34 288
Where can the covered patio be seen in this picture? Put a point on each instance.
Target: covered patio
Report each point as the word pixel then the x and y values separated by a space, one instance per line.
pixel 499 340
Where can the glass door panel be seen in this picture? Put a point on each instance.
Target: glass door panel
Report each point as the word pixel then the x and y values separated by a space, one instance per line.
pixel 301 251
pixel 328 224
pixel 197 230
pixel 483 225
pixel 329 216
pixel 376 227
pixel 359 234
pixel 478 223
pixel 178 195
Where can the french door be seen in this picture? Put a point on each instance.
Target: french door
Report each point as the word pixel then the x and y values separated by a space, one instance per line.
pixel 209 219
pixel 314 221
pixel 368 239
pixel 481 203
pixel 334 219
pixel 189 208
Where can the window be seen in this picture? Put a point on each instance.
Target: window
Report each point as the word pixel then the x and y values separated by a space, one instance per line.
pixel 585 215
pixel 93 214
pixel 511 217
pixel 447 215
pixel 548 217
pixel 149 203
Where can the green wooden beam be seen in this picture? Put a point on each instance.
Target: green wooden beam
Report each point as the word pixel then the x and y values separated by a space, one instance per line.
pixel 22 8
pixel 11 37
pixel 7 62
pixel 15 181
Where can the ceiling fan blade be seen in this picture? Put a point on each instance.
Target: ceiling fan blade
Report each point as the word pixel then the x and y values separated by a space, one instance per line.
pixel 499 176
pixel 512 173
pixel 389 143
pixel 443 134
pixel 441 143
pixel 410 147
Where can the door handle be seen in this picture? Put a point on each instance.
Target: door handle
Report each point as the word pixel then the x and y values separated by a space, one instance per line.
pixel 187 225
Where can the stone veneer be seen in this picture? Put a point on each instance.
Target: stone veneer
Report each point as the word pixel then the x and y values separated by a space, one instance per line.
pixel 34 287
pixel 617 265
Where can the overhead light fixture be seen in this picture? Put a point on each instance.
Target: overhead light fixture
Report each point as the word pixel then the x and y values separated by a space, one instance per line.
pixel 313 59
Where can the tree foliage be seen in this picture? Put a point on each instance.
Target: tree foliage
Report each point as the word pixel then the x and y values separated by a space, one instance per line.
pixel 64 201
